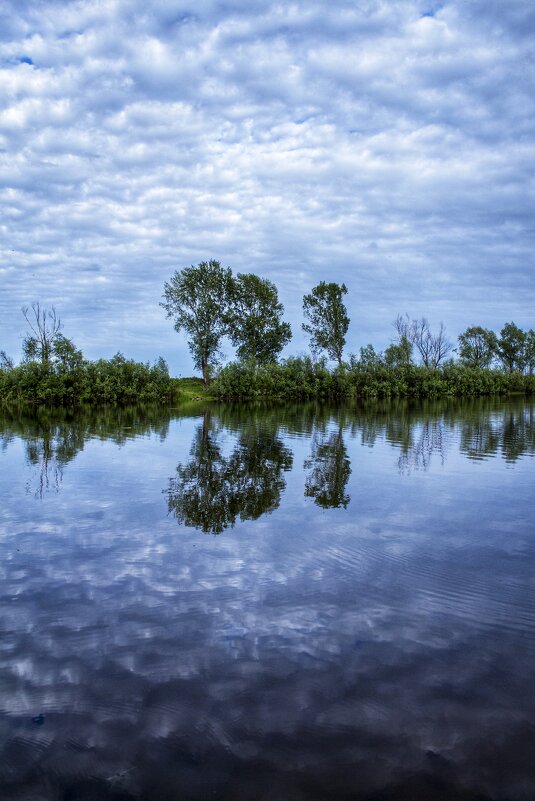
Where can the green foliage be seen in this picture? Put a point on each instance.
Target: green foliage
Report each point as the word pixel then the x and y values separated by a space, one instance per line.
pixel 529 351
pixel 327 319
pixel 44 326
pixel 368 357
pixel 255 319
pixel 69 380
pixel 302 378
pixel 197 299
pixel 477 346
pixel 400 354
pixel 511 347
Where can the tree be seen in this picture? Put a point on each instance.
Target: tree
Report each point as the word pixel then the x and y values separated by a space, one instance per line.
pixel 45 327
pixel 369 358
pixel 529 351
pixel 255 324
pixel 327 319
pixel 433 348
pixel 511 347
pixel 477 346
pixel 400 354
pixel 6 362
pixel 197 299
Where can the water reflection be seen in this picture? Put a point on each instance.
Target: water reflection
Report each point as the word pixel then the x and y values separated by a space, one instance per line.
pixel 382 653
pixel 211 491
pixel 329 468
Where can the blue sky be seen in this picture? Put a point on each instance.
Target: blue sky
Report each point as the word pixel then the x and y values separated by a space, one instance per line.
pixel 389 145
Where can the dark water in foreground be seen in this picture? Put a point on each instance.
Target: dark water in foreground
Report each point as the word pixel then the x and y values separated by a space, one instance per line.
pixel 362 627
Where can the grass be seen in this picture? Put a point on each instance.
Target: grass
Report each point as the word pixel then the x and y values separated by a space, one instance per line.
pixel 191 389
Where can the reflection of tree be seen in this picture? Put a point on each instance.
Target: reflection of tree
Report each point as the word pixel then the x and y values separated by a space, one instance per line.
pixel 330 469
pixel 425 440
pixel 212 491
pixel 510 430
pixel 53 437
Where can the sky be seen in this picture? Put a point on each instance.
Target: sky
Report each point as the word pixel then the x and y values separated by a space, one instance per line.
pixel 389 145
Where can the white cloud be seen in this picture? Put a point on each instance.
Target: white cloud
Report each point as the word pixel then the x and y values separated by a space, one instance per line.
pixel 386 145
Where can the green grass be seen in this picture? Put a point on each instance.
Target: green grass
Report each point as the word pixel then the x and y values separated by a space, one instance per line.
pixel 191 389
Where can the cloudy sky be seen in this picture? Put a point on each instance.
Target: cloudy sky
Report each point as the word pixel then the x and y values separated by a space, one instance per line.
pixel 387 144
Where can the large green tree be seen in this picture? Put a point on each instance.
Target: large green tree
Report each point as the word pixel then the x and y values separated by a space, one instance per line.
pixel 511 345
pixel 477 346
pixel 255 319
pixel 197 299
pixel 327 320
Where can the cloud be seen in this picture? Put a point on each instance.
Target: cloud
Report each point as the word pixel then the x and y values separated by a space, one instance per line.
pixel 385 145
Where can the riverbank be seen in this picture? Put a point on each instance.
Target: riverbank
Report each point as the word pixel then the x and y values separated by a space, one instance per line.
pixel 121 381
pixel 301 378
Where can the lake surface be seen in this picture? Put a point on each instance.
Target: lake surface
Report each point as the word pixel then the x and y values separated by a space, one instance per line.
pixel 269 603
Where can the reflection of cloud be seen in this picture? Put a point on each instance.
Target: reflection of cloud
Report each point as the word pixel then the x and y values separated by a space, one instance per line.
pixel 376 652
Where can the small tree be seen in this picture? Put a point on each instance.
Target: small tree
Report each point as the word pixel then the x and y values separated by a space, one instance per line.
pixel 45 327
pixel 6 362
pixel 327 319
pixel 477 346
pixel 399 354
pixel 511 347
pixel 255 319
pixel 529 351
pixel 197 299
pixel 369 358
pixel 433 348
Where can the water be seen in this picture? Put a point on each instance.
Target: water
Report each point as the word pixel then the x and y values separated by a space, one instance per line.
pixel 269 603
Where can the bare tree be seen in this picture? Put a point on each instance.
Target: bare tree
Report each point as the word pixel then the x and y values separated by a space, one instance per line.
pixel 433 348
pixel 45 327
pixel 6 362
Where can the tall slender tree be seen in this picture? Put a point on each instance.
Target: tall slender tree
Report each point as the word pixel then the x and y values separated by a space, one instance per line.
pixel 197 299
pixel 327 320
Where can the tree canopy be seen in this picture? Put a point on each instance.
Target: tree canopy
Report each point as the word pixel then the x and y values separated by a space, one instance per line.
pixel 197 299
pixel 327 320
pixel 477 346
pixel 255 319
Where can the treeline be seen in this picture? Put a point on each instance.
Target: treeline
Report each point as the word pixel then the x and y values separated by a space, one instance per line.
pixel 300 378
pixel 53 371
pixel 207 303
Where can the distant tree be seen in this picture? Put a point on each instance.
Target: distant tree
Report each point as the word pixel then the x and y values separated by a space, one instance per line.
pixel 511 347
pixel 433 348
pixel 399 354
pixel 197 299
pixel 65 355
pixel 368 357
pixel 529 351
pixel 477 346
pixel 255 319
pixel 327 319
pixel 45 327
pixel 6 362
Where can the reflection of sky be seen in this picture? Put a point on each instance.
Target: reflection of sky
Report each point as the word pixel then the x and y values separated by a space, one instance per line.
pixel 316 653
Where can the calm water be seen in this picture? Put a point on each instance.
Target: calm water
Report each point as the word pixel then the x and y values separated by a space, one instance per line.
pixel 269 603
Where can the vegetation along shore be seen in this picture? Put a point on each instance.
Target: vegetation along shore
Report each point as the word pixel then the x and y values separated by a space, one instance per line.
pixel 207 303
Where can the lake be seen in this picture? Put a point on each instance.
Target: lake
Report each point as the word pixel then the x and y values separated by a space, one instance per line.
pixel 273 603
